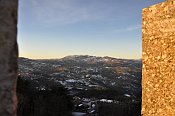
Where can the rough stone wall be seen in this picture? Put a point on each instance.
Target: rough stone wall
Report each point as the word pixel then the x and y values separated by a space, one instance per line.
pixel 8 57
pixel 158 76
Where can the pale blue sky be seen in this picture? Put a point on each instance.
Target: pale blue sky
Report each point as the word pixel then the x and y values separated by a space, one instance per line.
pixel 57 28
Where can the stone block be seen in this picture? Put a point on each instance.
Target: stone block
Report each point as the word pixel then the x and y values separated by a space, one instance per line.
pixel 158 45
pixel 8 57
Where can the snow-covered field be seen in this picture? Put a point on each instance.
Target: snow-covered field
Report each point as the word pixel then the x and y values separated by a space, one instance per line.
pixel 78 114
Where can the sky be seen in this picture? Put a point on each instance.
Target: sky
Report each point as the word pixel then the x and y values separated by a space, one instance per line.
pixel 57 28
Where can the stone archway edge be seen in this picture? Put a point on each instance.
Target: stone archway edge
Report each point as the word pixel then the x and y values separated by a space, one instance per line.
pixel 158 55
pixel 8 56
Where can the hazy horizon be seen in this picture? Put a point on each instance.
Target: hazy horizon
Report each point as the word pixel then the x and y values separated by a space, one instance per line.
pixel 58 28
pixel 81 55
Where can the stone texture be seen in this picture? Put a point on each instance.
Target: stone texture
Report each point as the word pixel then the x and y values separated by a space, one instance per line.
pixel 158 45
pixel 8 57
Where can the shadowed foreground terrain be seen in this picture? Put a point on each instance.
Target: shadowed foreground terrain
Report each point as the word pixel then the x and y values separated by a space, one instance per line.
pixel 52 101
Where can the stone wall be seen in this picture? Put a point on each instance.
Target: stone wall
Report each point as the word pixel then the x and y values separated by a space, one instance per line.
pixel 8 56
pixel 158 76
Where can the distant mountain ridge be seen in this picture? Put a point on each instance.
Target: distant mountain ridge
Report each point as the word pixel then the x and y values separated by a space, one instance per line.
pixel 88 57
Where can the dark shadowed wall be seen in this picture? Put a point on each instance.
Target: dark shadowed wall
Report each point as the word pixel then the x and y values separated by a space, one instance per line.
pixel 8 57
